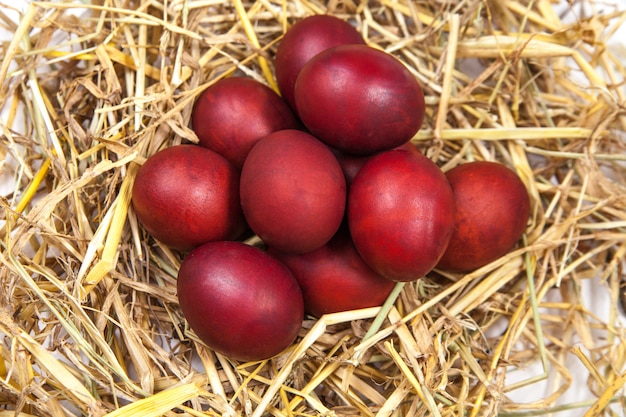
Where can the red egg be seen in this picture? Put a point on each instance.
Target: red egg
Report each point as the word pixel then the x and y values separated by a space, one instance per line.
pixel 293 191
pixel 239 300
pixel 234 113
pixel 401 214
pixel 187 195
pixel 492 210
pixel 359 99
pixel 351 164
pixel 335 278
pixel 305 39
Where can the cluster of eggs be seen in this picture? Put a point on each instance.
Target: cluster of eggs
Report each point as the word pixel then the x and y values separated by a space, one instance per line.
pixel 325 174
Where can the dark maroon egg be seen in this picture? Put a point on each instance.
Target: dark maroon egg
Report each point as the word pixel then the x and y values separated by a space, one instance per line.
pixel 359 99
pixel 293 191
pixel 239 300
pixel 492 210
pixel 335 278
pixel 400 214
pixel 351 164
pixel 187 195
pixel 305 39
pixel 234 113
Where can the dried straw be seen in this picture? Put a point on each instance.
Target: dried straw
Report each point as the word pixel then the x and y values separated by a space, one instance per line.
pixel 89 318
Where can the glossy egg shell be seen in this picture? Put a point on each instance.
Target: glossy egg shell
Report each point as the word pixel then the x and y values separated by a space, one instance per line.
pixel 335 278
pixel 401 214
pixel 230 116
pixel 239 300
pixel 293 192
pixel 186 195
pixel 359 99
pixel 492 211
pixel 305 39
pixel 351 164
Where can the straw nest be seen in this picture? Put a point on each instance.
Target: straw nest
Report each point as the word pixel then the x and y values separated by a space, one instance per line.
pixel 89 320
